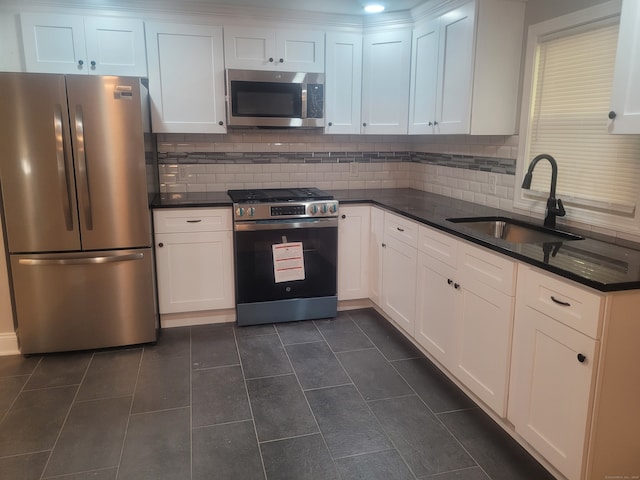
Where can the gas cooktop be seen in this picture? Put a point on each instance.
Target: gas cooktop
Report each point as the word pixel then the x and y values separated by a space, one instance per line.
pixel 264 195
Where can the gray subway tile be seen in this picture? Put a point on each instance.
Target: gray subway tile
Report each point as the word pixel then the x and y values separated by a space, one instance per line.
pixel 263 356
pixel 316 365
pixel 218 396
pixel 300 458
pixel 111 374
pixel 342 334
pixel 213 346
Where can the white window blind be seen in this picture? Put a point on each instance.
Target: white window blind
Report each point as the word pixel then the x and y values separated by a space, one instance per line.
pixel 572 90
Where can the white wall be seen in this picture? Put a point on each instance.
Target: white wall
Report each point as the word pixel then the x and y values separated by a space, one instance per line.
pixel 539 10
pixel 10 46
pixel 8 342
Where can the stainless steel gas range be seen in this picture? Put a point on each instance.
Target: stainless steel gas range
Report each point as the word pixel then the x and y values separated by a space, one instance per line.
pixel 286 252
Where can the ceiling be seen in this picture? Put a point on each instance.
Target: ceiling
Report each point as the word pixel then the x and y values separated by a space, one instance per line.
pixel 344 7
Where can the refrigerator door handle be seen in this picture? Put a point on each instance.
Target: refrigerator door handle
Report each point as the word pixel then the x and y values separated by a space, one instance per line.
pixel 81 261
pixel 61 157
pixel 82 169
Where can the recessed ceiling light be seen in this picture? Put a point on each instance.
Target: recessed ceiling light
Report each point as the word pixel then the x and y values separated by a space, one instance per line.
pixel 374 8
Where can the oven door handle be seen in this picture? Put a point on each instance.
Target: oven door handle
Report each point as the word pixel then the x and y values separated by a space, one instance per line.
pixel 286 225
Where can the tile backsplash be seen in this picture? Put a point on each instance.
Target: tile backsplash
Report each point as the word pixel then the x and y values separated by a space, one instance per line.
pixel 478 169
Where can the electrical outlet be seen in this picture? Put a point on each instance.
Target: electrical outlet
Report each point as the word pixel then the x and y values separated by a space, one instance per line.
pixel 353 169
pixel 183 173
pixel 493 182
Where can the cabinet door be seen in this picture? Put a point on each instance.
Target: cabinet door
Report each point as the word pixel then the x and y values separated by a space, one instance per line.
pixel 250 48
pixel 186 78
pixel 195 271
pixel 551 388
pixel 625 96
pixel 53 43
pixel 436 308
pixel 483 342
pixel 353 253
pixel 455 71
pixel 376 255
pixel 300 51
pixel 115 46
pixel 343 83
pixel 399 282
pixel 424 78
pixel 385 82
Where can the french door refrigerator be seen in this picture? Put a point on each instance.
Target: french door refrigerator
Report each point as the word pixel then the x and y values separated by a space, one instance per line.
pixel 74 192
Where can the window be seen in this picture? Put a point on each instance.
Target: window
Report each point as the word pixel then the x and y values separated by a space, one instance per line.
pixel 569 90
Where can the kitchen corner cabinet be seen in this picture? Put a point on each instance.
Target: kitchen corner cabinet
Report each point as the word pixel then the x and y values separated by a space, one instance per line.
pixel 186 78
pixel 83 45
pixel 343 83
pixel 465 69
pixel 385 81
pixel 353 252
pixel 194 259
pixel 625 95
pixel 270 49
pixel 464 312
pixel 399 256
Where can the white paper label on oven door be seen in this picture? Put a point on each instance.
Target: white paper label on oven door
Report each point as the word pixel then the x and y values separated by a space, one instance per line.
pixel 288 262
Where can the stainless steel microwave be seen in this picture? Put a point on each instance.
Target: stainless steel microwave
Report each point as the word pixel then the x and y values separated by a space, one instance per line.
pixel 274 99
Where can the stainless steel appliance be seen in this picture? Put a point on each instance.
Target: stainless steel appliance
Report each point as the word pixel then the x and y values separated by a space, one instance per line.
pixel 286 252
pixel 275 99
pixel 74 190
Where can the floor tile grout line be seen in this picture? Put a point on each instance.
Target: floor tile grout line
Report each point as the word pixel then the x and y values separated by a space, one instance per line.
pixel 250 379
pixel 133 399
pixel 214 368
pixel 327 386
pixel 304 395
pixel 369 453
pixel 407 395
pixel 246 391
pixel 190 402
pixel 64 422
pixel 303 435
pixel 201 427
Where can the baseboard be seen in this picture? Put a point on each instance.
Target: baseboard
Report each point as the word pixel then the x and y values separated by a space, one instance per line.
pixel 9 344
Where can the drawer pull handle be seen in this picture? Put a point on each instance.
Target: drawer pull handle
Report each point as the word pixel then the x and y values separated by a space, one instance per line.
pixel 456 286
pixel 400 229
pixel 449 281
pixel 581 358
pixel 560 302
pixel 194 221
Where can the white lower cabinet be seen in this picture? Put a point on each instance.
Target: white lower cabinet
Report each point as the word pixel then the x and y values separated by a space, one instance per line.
pixel 399 263
pixel 464 313
pixel 375 255
pixel 194 259
pixel 353 252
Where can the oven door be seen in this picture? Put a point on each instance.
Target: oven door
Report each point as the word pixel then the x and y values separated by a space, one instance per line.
pixel 255 273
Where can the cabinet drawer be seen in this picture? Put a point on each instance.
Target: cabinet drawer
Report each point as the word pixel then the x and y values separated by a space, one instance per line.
pixel 496 271
pixel 185 220
pixel 567 303
pixel 438 245
pixel 401 229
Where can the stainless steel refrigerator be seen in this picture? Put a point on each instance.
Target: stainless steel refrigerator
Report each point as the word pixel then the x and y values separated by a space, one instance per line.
pixel 73 176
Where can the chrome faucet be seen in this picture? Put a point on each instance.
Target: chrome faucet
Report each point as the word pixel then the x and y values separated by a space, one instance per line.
pixel 554 207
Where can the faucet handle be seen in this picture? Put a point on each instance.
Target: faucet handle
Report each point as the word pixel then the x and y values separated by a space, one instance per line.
pixel 560 210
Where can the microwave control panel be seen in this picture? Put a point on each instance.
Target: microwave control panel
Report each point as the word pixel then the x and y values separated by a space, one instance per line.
pixel 315 100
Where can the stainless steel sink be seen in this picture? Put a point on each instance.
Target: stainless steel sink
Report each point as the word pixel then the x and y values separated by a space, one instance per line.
pixel 514 231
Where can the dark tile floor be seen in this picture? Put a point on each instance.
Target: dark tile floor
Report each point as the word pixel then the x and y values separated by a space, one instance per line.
pixel 348 398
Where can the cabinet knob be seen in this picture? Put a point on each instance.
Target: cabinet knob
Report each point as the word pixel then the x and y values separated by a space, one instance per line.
pixel 330 124
pixel 80 63
pixel 220 123
pixel 271 59
pixel 435 124
pixel 431 124
pixel 161 245
pixel 364 124
pixel 449 281
pixel 281 60
pixel 612 115
pixel 581 358
pixel 93 64
pixel 384 245
pixel 343 216
pixel 456 286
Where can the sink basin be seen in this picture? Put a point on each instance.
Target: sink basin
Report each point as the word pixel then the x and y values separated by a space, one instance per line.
pixel 514 231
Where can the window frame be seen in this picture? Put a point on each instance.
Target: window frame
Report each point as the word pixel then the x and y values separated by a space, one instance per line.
pixel 529 200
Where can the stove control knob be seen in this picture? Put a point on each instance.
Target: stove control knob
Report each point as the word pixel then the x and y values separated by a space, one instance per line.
pixel 240 211
pixel 252 211
pixel 314 209
pixel 333 208
pixel 323 208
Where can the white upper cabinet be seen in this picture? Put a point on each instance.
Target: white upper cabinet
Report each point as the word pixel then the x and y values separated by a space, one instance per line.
pixel 465 69
pixel 343 83
pixel 385 82
pixel 84 45
pixel 269 49
pixel 625 96
pixel 186 78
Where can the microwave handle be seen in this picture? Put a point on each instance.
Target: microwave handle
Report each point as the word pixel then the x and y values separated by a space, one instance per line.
pixel 304 101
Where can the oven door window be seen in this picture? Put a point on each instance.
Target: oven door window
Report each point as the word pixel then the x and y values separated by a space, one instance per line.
pixel 266 99
pixel 255 279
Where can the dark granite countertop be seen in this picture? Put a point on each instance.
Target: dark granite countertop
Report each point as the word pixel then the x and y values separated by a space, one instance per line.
pixel 593 262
